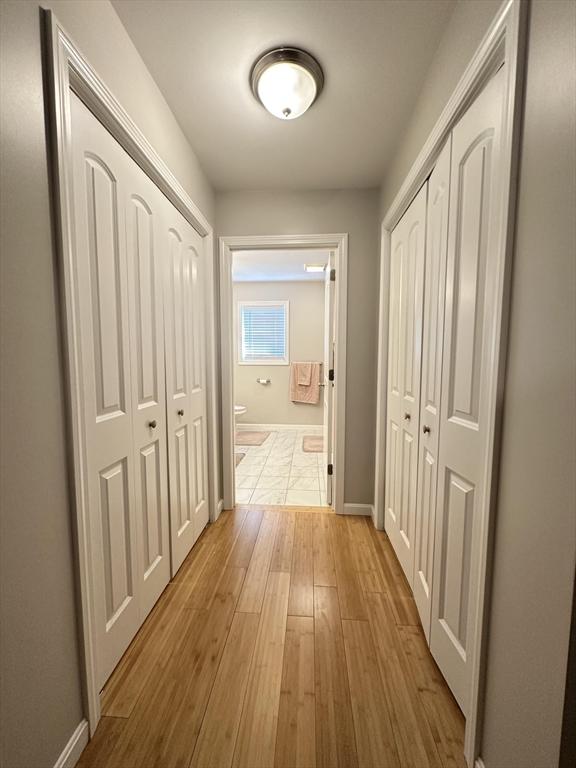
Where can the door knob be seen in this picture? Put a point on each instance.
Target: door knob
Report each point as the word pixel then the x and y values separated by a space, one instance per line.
pixel 426 429
pixel 407 417
pixel 180 412
pixel 152 424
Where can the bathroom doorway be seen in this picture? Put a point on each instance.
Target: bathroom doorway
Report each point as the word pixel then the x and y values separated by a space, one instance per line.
pixel 283 370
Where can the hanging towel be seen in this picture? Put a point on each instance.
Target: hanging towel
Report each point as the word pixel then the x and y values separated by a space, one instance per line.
pixel 304 373
pixel 305 393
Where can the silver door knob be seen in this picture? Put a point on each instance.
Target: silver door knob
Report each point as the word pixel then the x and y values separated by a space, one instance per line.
pixel 407 417
pixel 426 429
pixel 152 424
pixel 180 412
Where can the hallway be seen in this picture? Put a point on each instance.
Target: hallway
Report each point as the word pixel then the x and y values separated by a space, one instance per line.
pixel 289 637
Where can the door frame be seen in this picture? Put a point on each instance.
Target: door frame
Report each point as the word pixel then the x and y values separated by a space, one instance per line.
pixel 504 43
pixel 227 246
pixel 68 70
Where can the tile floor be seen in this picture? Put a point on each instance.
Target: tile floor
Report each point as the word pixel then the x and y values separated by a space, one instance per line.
pixel 279 472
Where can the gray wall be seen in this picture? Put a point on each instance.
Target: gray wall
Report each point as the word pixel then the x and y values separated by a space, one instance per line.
pixel 536 523
pixel 271 404
pixel 535 545
pixel 464 31
pixel 321 212
pixel 40 703
pixel 96 28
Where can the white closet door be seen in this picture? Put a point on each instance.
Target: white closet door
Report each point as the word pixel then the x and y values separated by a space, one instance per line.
pixel 195 250
pixel 433 335
pixel 404 360
pixel 145 278
pixel 102 307
pixel 185 384
pixel 468 369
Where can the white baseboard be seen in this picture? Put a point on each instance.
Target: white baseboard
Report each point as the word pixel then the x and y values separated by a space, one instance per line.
pixel 271 427
pixel 359 509
pixel 72 751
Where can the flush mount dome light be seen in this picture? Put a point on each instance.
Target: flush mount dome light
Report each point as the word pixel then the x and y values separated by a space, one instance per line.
pixel 286 81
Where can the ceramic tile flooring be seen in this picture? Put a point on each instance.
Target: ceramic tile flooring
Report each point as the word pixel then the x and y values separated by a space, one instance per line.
pixel 280 472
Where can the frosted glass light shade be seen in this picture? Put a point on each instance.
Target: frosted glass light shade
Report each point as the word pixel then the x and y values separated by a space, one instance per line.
pixel 287 81
pixel 286 90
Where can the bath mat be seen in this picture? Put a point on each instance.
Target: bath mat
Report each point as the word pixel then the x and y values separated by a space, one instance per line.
pixel 245 437
pixel 239 457
pixel 312 444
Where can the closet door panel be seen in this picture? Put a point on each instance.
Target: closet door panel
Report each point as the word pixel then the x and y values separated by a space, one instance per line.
pixel 185 381
pixel 102 307
pixel 404 363
pixel 141 246
pixel 183 503
pixel 392 474
pixel 153 505
pixel 432 345
pixel 178 386
pixel 199 395
pixel 394 405
pixel 116 531
pixel 470 327
pixel 143 232
pixel 107 280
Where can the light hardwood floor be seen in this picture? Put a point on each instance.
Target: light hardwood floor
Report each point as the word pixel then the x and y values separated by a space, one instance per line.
pixel 288 638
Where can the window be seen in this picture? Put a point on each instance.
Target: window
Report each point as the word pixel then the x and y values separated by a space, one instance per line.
pixel 263 332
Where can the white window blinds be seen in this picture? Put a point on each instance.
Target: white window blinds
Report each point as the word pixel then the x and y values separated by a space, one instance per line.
pixel 263 332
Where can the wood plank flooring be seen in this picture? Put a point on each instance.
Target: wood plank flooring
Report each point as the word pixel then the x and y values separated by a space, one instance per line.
pixel 288 639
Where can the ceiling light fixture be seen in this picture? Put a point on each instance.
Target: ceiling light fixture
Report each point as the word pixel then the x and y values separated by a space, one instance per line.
pixel 314 267
pixel 286 81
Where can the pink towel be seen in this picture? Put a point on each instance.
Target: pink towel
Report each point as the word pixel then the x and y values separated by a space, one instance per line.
pixel 304 373
pixel 305 393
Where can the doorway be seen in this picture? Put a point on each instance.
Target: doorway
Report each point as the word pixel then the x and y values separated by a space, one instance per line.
pixel 283 314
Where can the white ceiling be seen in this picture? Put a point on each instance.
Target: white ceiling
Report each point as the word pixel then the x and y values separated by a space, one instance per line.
pixel 375 54
pixel 276 265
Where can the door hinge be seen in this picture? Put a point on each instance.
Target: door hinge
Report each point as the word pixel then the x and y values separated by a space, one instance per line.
pixel 331 374
pixel 332 275
pixel 330 469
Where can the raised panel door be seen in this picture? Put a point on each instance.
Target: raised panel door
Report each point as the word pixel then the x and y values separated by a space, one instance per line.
pixel 144 257
pixel 199 458
pixel 185 384
pixel 467 372
pixel 432 344
pixel 404 363
pixel 102 306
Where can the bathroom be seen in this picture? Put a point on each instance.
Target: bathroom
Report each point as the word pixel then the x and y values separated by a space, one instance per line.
pixel 281 384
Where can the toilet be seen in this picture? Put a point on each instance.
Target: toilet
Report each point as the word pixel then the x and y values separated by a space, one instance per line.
pixel 239 410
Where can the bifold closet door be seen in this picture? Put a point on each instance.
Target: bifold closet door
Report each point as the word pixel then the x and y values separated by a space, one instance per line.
pixel 469 363
pixel 120 357
pixel 404 361
pixel 185 384
pixel 145 257
pixel 432 341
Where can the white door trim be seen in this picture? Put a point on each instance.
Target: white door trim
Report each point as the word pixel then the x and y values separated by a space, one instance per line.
pixel 68 71
pixel 227 245
pixel 504 42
